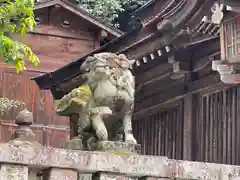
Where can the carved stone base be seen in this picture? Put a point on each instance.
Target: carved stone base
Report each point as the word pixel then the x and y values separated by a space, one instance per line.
pixel 75 144
pixel 121 147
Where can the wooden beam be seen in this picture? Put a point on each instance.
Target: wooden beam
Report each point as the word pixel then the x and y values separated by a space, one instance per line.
pixel 63 32
pixel 203 62
pixel 152 104
pixel 162 105
pixel 171 74
pixel 222 43
pixel 164 94
pixel 103 34
pixel 189 108
pixel 159 86
pixel 233 9
pixel 156 71
pixel 146 68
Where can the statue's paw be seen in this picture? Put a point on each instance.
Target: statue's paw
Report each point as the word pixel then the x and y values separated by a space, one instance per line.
pixel 91 143
pixel 131 139
pixel 102 134
pixel 102 111
pixel 105 111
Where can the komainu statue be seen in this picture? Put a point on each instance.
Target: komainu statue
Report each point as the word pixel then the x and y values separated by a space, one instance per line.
pixel 102 106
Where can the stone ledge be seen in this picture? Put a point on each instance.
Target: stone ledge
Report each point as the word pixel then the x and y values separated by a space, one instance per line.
pixel 203 171
pixel 25 153
pixel 119 147
pixel 86 162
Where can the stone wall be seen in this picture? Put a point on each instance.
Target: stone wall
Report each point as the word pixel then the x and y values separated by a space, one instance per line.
pixel 18 158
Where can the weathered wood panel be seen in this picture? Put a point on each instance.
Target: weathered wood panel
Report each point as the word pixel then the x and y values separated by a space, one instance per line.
pixel 162 133
pixel 46 135
pixel 20 87
pixel 218 125
pixel 55 52
pixel 58 15
pixel 52 30
pixel 55 136
pixel 51 130
pixel 55 45
pixel 7 129
pixel 208 129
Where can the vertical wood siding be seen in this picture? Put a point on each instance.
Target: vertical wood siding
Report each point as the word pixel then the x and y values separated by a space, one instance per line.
pixel 51 130
pixel 162 133
pixel 218 135
pixel 215 129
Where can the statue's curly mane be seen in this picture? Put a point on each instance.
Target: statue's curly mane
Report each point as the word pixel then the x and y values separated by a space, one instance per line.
pixel 106 60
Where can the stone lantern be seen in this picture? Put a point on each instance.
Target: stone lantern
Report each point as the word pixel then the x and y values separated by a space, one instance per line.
pixel 228 17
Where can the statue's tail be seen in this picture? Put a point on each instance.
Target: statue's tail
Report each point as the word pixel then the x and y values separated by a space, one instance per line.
pixel 74 101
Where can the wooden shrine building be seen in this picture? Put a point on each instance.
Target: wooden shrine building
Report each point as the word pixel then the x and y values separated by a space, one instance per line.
pixel 184 110
pixel 64 32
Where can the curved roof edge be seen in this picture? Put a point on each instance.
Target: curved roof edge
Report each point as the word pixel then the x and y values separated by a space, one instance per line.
pixel 146 5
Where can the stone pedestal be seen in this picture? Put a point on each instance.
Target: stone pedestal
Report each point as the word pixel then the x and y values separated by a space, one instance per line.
pixel 115 147
pixel 74 144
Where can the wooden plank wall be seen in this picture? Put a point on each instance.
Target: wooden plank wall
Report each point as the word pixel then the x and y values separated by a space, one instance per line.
pixel 162 133
pixel 51 130
pixel 218 132
pixel 55 46
pixel 211 133
pixel 55 51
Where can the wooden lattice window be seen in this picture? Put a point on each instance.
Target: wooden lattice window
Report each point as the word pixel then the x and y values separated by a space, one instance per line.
pixel 232 38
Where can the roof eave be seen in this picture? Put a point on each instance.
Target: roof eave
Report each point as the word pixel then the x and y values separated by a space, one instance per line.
pixel 40 80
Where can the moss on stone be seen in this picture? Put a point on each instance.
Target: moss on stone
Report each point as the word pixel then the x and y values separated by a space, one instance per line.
pixel 121 153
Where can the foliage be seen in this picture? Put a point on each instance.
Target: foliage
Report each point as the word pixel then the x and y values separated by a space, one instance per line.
pixel 109 10
pixel 16 16
pixel 6 105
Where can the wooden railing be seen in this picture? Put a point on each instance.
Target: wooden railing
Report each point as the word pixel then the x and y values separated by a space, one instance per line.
pixel 25 159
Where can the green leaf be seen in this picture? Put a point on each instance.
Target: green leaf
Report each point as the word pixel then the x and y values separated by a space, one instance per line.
pixel 109 10
pixel 16 16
